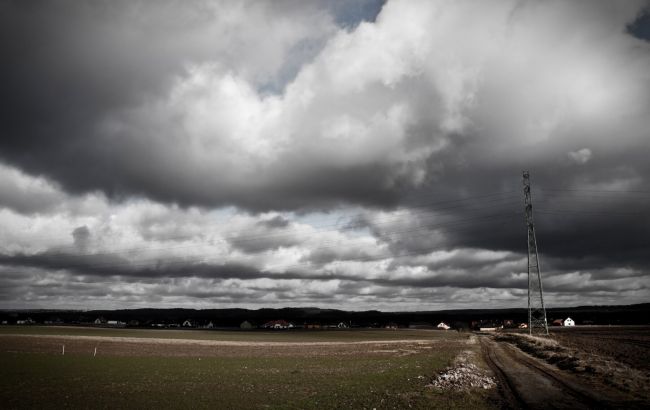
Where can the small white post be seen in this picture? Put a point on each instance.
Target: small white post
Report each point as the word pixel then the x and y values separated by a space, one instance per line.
pixel 63 349
pixel 95 354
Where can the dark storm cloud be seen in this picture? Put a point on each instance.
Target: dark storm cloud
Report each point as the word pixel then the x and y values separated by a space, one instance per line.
pixel 71 65
pixel 133 121
pixel 81 237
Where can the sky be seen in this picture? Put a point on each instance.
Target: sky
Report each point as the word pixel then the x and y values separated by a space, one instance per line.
pixel 338 154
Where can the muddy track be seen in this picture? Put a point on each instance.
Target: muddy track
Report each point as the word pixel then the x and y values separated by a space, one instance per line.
pixel 509 393
pixel 527 383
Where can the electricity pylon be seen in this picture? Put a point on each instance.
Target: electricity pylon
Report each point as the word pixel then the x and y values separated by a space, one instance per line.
pixel 536 313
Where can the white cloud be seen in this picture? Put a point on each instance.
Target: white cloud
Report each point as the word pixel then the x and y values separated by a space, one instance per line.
pixel 581 156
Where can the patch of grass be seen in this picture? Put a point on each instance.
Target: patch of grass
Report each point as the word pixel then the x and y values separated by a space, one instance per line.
pixel 37 380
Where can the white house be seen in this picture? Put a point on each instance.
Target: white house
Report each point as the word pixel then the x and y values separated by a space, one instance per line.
pixel 187 323
pixel 443 325
pixel 569 322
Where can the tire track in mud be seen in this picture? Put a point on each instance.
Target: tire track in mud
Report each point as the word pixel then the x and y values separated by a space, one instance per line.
pixel 525 383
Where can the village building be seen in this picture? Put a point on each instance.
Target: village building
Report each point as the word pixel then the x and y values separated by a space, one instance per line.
pixel 557 322
pixel 569 322
pixel 188 323
pixel 277 324
pixel 523 326
pixel 443 325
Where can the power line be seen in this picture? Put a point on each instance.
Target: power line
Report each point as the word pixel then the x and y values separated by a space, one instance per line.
pixel 605 191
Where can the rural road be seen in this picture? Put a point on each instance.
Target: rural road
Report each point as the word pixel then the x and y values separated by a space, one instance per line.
pixel 526 382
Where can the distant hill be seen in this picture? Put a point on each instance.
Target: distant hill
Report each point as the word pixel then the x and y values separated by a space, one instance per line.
pixel 638 314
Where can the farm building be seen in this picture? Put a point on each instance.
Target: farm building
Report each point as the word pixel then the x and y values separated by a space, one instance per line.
pixel 443 325
pixel 188 323
pixel 99 321
pixel 569 322
pixel 278 324
pixel 557 322
pixel 523 326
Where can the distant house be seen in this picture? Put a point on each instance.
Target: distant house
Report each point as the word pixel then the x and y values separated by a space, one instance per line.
pixel 523 326
pixel 246 325
pixel 210 325
pixel 557 322
pixel 569 322
pixel 443 325
pixel 187 323
pixel 342 325
pixel 99 321
pixel 277 324
pixel 509 323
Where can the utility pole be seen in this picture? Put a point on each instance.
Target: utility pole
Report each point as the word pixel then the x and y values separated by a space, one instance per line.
pixel 536 312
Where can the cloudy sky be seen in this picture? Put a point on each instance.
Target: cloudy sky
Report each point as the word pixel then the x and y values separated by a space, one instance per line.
pixel 346 154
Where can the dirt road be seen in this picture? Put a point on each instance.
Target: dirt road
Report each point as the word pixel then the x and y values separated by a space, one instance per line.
pixel 526 382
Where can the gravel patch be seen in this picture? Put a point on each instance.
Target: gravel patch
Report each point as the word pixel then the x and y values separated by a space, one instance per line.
pixel 464 375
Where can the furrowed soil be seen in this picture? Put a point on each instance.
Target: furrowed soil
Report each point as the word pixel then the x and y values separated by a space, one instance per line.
pixel 205 369
pixel 626 344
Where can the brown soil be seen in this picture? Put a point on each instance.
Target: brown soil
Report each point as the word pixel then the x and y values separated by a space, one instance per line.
pixel 629 345
pixel 132 346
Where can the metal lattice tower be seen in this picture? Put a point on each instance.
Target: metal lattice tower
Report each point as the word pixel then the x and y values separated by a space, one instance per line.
pixel 536 312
